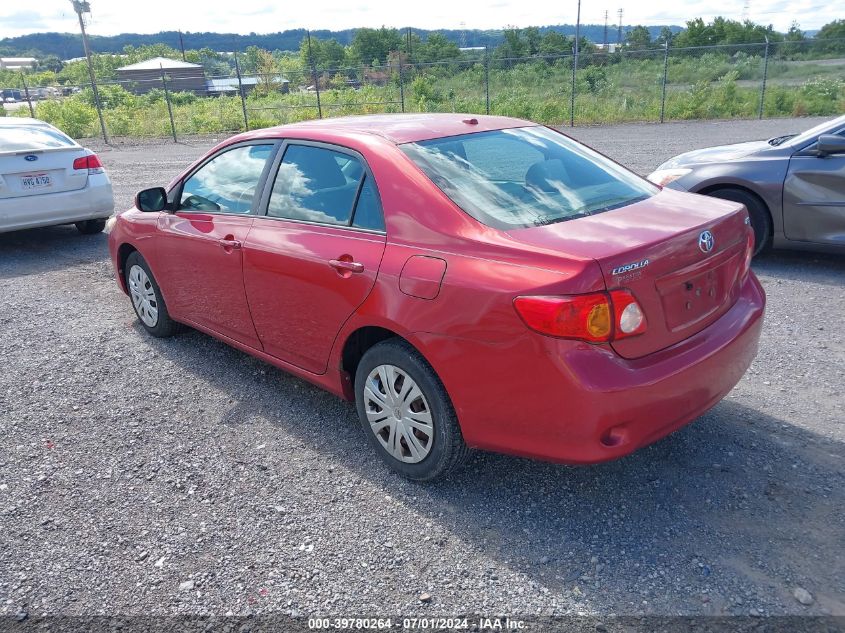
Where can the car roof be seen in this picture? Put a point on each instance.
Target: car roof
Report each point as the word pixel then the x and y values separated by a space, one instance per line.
pixel 398 128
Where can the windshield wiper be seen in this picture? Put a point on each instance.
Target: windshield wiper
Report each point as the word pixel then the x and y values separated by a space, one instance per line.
pixel 777 140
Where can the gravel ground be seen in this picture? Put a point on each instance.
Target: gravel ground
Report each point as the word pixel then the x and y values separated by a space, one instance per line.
pixel 179 476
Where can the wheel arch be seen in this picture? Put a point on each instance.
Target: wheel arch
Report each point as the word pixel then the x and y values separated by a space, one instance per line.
pixel 362 338
pixel 123 253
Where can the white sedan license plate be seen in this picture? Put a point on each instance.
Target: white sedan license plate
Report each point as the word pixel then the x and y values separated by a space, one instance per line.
pixel 36 181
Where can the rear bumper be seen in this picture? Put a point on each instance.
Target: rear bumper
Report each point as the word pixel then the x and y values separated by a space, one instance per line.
pixel 93 201
pixel 576 403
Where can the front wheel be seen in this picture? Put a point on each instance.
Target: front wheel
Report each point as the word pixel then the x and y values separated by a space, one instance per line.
pixel 147 299
pixel 90 227
pixel 406 412
pixel 758 213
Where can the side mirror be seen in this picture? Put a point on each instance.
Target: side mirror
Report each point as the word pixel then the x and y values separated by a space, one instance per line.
pixel 830 144
pixel 154 199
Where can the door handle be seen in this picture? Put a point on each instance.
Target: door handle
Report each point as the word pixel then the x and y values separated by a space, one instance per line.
pixel 229 243
pixel 342 266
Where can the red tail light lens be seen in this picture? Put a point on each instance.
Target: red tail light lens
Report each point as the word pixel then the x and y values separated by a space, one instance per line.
pixel 597 317
pixel 585 317
pixel 91 162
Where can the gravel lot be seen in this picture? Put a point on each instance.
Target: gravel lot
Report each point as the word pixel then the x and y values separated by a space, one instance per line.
pixel 143 476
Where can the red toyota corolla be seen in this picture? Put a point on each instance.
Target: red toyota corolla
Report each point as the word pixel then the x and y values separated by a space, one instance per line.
pixel 477 281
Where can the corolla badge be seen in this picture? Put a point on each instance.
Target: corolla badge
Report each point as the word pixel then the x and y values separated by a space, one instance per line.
pixel 30 157
pixel 629 267
pixel 706 241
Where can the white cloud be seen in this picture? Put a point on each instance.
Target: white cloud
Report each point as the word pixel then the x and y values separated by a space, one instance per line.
pixel 150 16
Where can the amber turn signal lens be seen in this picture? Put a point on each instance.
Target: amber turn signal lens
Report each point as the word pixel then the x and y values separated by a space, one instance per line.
pixel 598 321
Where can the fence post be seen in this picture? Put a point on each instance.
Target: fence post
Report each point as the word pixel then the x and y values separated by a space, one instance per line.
pixel 314 77
pixel 765 75
pixel 665 72
pixel 401 83
pixel 241 92
pixel 169 107
pixel 487 76
pixel 572 95
pixel 26 92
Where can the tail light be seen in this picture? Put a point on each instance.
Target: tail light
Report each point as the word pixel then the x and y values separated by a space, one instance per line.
pixel 91 162
pixel 597 317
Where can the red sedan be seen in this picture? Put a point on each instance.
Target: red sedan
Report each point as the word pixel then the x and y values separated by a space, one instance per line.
pixel 478 282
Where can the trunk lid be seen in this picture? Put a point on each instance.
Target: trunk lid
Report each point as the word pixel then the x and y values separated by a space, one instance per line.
pixel 50 171
pixel 36 158
pixel 652 249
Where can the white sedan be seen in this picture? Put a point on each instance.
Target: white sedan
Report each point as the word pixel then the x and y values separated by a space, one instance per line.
pixel 46 178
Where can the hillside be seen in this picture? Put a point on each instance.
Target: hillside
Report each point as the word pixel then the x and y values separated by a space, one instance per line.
pixel 69 45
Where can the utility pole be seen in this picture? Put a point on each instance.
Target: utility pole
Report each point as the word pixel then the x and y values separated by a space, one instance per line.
pixel 604 41
pixel 577 32
pixel 182 46
pixel 83 6
pixel 314 77
pixel 577 36
pixel 619 32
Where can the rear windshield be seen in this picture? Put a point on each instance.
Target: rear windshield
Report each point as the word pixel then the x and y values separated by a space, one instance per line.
pixel 525 177
pixel 31 137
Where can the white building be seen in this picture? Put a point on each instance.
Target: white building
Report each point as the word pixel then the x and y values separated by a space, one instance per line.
pixel 17 63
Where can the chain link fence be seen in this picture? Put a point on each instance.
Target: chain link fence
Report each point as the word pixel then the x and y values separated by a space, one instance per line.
pixel 650 85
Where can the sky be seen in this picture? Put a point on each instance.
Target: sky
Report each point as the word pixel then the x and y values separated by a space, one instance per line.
pixel 110 17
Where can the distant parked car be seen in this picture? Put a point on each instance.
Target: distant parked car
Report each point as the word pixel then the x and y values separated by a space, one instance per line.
pixel 793 186
pixel 46 178
pixel 467 281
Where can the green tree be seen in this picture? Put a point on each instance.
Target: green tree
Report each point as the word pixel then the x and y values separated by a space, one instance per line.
pixel 638 38
pixel 437 48
pixel 513 46
pixel 554 43
pixel 50 62
pixel 373 45
pixel 532 39
pixel 268 73
pixel 831 37
pixel 696 34
pixel 327 54
pixel 666 35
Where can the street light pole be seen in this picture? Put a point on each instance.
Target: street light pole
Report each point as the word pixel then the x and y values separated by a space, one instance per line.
pixel 83 6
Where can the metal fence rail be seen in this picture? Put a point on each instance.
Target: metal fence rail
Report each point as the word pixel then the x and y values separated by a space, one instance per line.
pixel 655 84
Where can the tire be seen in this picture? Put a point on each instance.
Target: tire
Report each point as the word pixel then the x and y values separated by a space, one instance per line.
pixel 90 227
pixel 148 302
pixel 420 460
pixel 761 220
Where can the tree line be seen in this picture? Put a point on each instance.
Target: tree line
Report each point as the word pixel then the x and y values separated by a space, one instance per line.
pixel 379 47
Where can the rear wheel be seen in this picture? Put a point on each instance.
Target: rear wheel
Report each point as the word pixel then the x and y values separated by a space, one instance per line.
pixel 146 298
pixel 761 220
pixel 406 412
pixel 90 227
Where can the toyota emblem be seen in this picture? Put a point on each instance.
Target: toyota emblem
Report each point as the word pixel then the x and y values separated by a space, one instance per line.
pixel 706 241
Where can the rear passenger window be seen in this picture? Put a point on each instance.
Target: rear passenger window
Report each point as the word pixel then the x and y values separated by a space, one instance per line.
pixel 316 185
